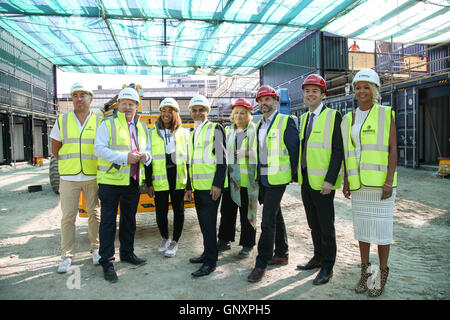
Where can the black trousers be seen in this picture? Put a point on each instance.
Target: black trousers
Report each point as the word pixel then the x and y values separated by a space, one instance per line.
pixel 162 207
pixel 320 215
pixel 228 215
pixel 207 217
pixel 110 197
pixel 273 229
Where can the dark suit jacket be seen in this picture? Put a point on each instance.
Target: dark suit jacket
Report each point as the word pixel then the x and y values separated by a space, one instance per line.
pixel 337 148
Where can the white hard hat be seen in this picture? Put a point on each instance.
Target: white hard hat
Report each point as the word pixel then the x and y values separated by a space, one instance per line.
pixel 170 102
pixel 199 100
pixel 77 86
pixel 367 75
pixel 129 93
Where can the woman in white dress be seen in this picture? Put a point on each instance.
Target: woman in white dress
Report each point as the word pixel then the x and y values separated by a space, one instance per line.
pixel 370 177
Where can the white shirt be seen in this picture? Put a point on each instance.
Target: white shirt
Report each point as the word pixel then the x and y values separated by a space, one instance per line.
pixel 56 135
pixel 360 117
pixel 102 148
pixel 169 140
pixel 198 129
pixel 265 124
pixel 316 114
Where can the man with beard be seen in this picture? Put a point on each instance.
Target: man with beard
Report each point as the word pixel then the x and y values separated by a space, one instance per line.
pixel 278 145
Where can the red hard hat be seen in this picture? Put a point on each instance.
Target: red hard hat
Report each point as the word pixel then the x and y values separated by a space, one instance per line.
pixel 242 102
pixel 266 91
pixel 316 80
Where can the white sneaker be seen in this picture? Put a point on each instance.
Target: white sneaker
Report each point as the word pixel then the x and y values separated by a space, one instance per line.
pixel 64 265
pixel 164 245
pixel 172 249
pixel 95 257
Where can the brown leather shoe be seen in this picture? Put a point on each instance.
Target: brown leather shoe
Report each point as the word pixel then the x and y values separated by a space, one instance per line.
pixel 256 275
pixel 278 261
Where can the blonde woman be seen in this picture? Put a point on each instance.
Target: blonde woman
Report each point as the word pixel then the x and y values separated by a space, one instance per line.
pixel 370 177
pixel 242 192
pixel 167 174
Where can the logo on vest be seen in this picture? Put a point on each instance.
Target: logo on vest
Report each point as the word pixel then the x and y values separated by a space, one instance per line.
pixel 89 128
pixel 368 130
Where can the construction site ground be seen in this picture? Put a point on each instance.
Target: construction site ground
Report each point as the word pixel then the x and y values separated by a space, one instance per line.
pixel 30 250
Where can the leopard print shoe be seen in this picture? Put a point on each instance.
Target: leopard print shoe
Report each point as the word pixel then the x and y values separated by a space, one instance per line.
pixel 362 283
pixel 378 290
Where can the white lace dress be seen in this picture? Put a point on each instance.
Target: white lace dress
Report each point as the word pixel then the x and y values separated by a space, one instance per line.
pixel 373 219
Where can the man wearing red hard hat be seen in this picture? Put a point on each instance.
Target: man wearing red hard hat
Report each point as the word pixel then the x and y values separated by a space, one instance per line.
pixel 277 154
pixel 320 161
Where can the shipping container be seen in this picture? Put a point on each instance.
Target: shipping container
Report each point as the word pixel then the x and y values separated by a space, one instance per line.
pixel 319 52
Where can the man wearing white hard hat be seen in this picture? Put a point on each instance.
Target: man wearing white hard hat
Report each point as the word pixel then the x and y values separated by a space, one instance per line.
pixel 207 170
pixel 73 145
pixel 167 174
pixel 122 148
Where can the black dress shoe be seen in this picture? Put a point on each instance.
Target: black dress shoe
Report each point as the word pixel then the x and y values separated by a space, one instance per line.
pixel 203 271
pixel 196 260
pixel 323 277
pixel 110 274
pixel 223 245
pixel 245 252
pixel 133 260
pixel 256 275
pixel 312 264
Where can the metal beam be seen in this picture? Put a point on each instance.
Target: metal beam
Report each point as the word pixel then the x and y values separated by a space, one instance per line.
pixel 111 32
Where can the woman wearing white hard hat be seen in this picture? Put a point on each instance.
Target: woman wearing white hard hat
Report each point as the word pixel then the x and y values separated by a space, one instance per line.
pixel 122 148
pixel 167 174
pixel 370 177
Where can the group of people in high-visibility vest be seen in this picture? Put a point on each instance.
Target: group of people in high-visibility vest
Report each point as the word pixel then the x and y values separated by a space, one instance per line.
pixel 244 164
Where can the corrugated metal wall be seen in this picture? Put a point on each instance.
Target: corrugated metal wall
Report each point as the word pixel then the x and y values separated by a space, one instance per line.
pixel 335 53
pixel 439 55
pixel 288 69
pixel 316 53
pixel 434 130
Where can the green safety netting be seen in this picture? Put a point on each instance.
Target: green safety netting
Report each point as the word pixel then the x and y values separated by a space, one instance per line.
pixel 224 37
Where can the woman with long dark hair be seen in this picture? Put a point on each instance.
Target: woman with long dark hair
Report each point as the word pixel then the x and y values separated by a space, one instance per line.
pixel 167 174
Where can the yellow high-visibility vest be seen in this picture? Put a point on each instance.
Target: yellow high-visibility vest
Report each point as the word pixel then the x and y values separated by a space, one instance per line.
pixel 77 151
pixel 120 140
pixel 278 161
pixel 159 171
pixel 202 159
pixel 244 161
pixel 319 150
pixel 374 136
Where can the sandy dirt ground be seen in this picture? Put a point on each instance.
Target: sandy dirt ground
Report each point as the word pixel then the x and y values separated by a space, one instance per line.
pixel 30 250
